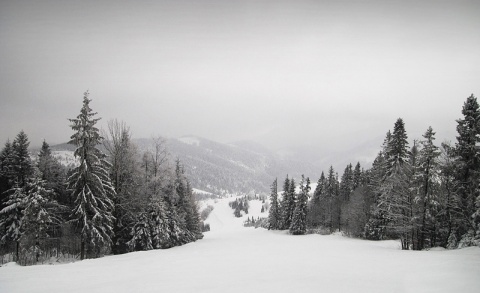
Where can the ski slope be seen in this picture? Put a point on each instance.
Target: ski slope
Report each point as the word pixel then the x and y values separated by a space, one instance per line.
pixel 232 258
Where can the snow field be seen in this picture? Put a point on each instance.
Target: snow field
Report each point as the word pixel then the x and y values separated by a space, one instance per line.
pixel 232 258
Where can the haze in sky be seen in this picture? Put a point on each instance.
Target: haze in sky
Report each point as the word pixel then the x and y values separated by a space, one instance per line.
pixel 332 74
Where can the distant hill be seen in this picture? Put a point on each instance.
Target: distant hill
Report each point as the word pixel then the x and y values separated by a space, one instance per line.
pixel 245 166
pixel 239 167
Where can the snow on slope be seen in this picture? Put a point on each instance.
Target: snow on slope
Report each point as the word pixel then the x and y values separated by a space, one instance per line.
pixel 232 258
pixel 191 140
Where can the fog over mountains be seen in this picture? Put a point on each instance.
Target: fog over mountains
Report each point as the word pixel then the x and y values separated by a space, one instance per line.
pixel 246 166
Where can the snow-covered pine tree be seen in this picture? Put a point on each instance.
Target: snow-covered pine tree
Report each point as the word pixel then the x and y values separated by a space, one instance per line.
pixel 22 163
pixel 160 224
pixel 332 211
pixel 346 184
pixel 316 212
pixel 186 205
pixel 412 194
pixel 274 216
pixel 141 233
pixel 376 222
pixel 6 172
pixel 357 176
pixel 45 159
pixel 52 172
pixel 288 203
pixel 299 218
pixel 11 218
pixel 446 216
pixel 90 185
pixel 375 228
pixel 468 166
pixel 177 233
pixel 194 223
pixel 40 215
pixel 428 175
pixel 395 200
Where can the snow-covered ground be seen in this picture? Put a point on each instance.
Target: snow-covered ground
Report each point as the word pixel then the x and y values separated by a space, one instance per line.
pixel 232 258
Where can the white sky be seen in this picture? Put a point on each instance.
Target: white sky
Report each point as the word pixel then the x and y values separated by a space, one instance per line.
pixel 328 73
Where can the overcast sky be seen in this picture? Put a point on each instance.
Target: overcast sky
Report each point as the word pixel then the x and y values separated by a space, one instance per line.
pixel 330 73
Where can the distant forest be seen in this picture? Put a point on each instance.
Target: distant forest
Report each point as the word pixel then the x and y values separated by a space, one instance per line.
pixel 426 195
pixel 107 202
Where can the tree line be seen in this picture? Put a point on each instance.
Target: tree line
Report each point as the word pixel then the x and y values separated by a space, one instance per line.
pixel 112 201
pixel 425 195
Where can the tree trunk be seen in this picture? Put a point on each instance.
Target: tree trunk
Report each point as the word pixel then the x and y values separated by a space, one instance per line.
pixel 82 248
pixel 17 249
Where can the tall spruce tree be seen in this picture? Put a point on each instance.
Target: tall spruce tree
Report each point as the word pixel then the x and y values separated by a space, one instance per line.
pixel 298 225
pixel 6 171
pixel 288 204
pixel 332 211
pixel 316 212
pixel 357 176
pixel 22 163
pixel 274 215
pixel 11 218
pixel 428 176
pixel 90 184
pixel 446 215
pixel 53 173
pixel 468 166
pixel 347 184
pixel 186 205
pixel 40 215
pixel 395 199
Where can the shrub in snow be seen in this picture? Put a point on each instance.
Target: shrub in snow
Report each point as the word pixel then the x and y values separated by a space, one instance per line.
pixel 204 214
pixel 467 240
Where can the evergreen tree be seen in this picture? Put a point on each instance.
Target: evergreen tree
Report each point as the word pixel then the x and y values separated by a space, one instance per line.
pixel 413 197
pixel 194 223
pixel 375 228
pixel 283 203
pixel 90 184
pixel 448 200
pixel 141 234
pixel 468 165
pixel 186 205
pixel 298 225
pixel 376 223
pixel 357 176
pixel 40 214
pixel 397 149
pixel 395 199
pixel 6 171
pixel 428 176
pixel 45 159
pixel 160 224
pixel 332 202
pixel 347 184
pixel 274 216
pixel 316 212
pixel 11 218
pixel 288 203
pixel 53 173
pixel 22 163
